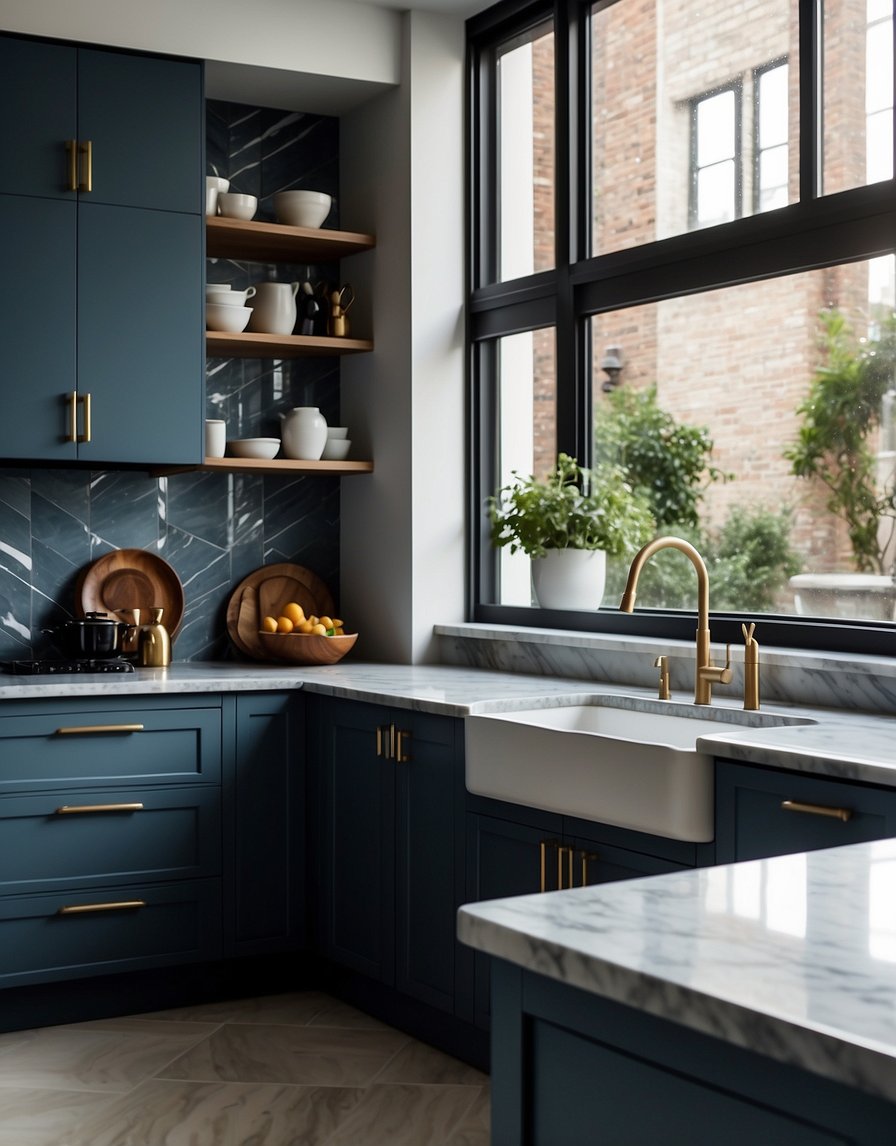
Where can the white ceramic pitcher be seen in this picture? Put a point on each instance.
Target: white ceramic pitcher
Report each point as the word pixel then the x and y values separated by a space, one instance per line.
pixel 273 308
pixel 303 433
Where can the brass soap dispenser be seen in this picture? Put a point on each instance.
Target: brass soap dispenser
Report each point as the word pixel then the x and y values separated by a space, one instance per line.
pixel 155 643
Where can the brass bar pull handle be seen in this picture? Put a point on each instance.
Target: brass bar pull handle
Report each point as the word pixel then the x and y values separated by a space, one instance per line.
pixel 93 908
pixel 842 814
pixel 391 753
pixel 84 436
pixel 88 809
pixel 72 435
pixel 587 858
pixel 380 741
pixel 543 846
pixel 89 729
pixel 568 854
pixel 86 153
pixel 71 149
pixel 401 756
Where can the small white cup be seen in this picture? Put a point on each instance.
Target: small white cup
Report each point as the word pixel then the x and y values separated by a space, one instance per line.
pixel 215 437
pixel 233 205
pixel 337 432
pixel 214 185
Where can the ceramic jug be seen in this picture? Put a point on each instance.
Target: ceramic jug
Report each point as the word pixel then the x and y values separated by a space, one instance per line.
pixel 303 433
pixel 273 308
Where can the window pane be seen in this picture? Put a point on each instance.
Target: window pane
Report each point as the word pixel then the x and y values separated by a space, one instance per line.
pixel 676 88
pixel 526 156
pixel 708 414
pixel 527 434
pixel 715 195
pixel 858 87
pixel 773 178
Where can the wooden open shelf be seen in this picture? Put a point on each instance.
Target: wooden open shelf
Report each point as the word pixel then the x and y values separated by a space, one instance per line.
pixel 282 466
pixel 277 243
pixel 223 344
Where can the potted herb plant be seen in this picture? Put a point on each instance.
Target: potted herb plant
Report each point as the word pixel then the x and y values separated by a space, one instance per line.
pixel 569 522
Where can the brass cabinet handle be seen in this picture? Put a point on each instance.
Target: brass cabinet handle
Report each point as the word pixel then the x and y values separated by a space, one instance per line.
pixel 543 846
pixel 84 399
pixel 88 809
pixel 90 908
pixel 88 729
pixel 842 814
pixel 71 149
pixel 380 748
pixel 568 853
pixel 587 857
pixel 401 756
pixel 86 152
pixel 72 435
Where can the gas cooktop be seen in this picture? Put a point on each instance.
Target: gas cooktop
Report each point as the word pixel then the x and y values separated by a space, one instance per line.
pixel 64 665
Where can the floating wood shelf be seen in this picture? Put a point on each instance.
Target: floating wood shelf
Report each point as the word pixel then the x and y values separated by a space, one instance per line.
pixel 277 243
pixel 222 344
pixel 282 466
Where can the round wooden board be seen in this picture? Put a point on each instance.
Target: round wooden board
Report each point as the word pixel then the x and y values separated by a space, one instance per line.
pixel 131 579
pixel 264 593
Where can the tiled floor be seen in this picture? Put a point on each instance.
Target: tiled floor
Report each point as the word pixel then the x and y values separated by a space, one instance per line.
pixel 286 1070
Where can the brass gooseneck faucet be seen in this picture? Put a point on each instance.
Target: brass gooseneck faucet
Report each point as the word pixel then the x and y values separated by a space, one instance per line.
pixel 706 673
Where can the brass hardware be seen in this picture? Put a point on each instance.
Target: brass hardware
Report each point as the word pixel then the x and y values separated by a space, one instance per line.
pixel 543 846
pixel 842 814
pixel 380 751
pixel 568 853
pixel 84 399
pixel 706 673
pixel 154 642
pixel 71 148
pixel 86 809
pixel 751 668
pixel 72 435
pixel 88 729
pixel 86 152
pixel 587 857
pixel 88 908
pixel 662 663
pixel 402 757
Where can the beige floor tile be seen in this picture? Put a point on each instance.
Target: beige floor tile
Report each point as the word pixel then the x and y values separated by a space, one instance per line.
pixel 295 1008
pixel 418 1063
pixel 474 1128
pixel 44 1117
pixel 338 1014
pixel 405 1116
pixel 311 1056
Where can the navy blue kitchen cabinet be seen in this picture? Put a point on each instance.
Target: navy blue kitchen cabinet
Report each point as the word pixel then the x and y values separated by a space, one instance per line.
pixel 264 823
pixel 387 861
pixel 101 216
pixel 767 812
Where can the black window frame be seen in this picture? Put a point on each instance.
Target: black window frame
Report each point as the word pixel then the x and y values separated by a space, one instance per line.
pixel 815 232
pixel 737 159
pixel 758 73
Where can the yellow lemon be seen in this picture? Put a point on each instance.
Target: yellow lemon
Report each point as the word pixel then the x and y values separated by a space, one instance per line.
pixel 314 620
pixel 295 612
pixel 318 630
pixel 284 625
pixel 305 626
pixel 337 624
pixel 328 622
pixel 339 631
pixel 269 625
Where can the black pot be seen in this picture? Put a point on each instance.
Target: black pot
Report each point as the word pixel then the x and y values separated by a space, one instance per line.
pixel 97 635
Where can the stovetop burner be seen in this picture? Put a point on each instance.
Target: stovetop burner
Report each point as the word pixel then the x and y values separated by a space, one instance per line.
pixel 62 665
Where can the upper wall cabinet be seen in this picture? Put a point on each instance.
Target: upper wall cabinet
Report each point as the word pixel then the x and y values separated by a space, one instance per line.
pixel 101 216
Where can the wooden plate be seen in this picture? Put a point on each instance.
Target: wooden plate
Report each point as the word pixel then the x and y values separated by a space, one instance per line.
pixel 264 593
pixel 131 579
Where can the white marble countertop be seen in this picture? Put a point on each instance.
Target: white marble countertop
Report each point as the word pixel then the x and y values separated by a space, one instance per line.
pixel 792 957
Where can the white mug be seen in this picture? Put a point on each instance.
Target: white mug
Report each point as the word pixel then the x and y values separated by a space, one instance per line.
pixel 215 437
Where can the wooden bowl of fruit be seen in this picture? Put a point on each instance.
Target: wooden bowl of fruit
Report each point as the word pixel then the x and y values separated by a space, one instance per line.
pixel 296 639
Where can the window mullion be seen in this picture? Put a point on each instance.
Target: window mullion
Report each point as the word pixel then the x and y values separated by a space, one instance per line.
pixel 811 102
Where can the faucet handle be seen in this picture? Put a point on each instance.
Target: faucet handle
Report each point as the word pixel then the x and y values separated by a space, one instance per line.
pixel 665 692
pixel 716 673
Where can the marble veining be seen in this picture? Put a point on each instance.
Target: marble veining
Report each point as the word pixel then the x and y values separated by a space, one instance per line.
pixel 793 957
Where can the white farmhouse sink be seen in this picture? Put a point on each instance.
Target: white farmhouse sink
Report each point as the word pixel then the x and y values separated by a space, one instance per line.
pixel 603 760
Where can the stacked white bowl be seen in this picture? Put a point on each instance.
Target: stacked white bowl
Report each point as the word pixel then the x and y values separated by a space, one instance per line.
pixel 337 445
pixel 225 308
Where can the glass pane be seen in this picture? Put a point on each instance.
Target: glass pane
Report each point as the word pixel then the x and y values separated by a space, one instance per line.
pixel 527 434
pixel 525 82
pixel 761 420
pixel 773 178
pixel 858 86
pixel 676 87
pixel 715 194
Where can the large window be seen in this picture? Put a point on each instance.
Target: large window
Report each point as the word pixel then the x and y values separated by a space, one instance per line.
pixel 697 285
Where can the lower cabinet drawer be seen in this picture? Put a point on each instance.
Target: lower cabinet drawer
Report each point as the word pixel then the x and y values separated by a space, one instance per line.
pixel 96 931
pixel 90 837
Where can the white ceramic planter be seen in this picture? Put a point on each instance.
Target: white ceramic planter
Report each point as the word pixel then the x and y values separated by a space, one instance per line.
pixel 570 578
pixel 303 433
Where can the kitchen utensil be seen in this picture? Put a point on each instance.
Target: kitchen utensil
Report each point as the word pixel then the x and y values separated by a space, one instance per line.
pixel 94 635
pixel 302 208
pixel 274 308
pixel 215 437
pixel 222 316
pixel 233 205
pixel 304 648
pixel 154 642
pixel 340 301
pixel 253 447
pixel 227 296
pixel 126 579
pixel 304 433
pixel 336 449
pixel 301 585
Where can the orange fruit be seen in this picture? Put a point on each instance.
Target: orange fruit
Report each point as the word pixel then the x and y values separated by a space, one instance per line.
pixel 328 622
pixel 284 625
pixel 318 630
pixel 305 627
pixel 295 612
pixel 269 625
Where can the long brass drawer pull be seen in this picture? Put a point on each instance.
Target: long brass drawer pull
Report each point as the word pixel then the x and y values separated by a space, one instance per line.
pixel 568 853
pixel 87 430
pixel 89 809
pixel 86 152
pixel 88 729
pixel 587 857
pixel 71 148
pixel 543 846
pixel 401 738
pixel 843 814
pixel 90 908
pixel 72 435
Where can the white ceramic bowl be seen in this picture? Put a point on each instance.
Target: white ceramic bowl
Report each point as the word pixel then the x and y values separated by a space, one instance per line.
pixel 336 450
pixel 302 208
pixel 222 316
pixel 253 447
pixel 233 205
pixel 228 297
pixel 337 432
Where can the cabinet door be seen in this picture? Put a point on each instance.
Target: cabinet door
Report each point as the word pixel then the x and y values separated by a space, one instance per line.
pixel 355 840
pixel 763 812
pixel 37 327
pixel 143 118
pixel 591 862
pixel 429 814
pixel 264 819
pixel 140 331
pixel 39 117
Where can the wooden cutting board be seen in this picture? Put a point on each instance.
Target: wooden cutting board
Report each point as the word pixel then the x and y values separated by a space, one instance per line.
pixel 264 593
pixel 126 579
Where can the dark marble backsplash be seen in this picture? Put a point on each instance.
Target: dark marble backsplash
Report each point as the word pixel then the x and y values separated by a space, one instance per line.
pixel 212 528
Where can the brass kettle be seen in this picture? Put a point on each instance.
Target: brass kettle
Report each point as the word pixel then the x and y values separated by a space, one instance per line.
pixel 153 642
